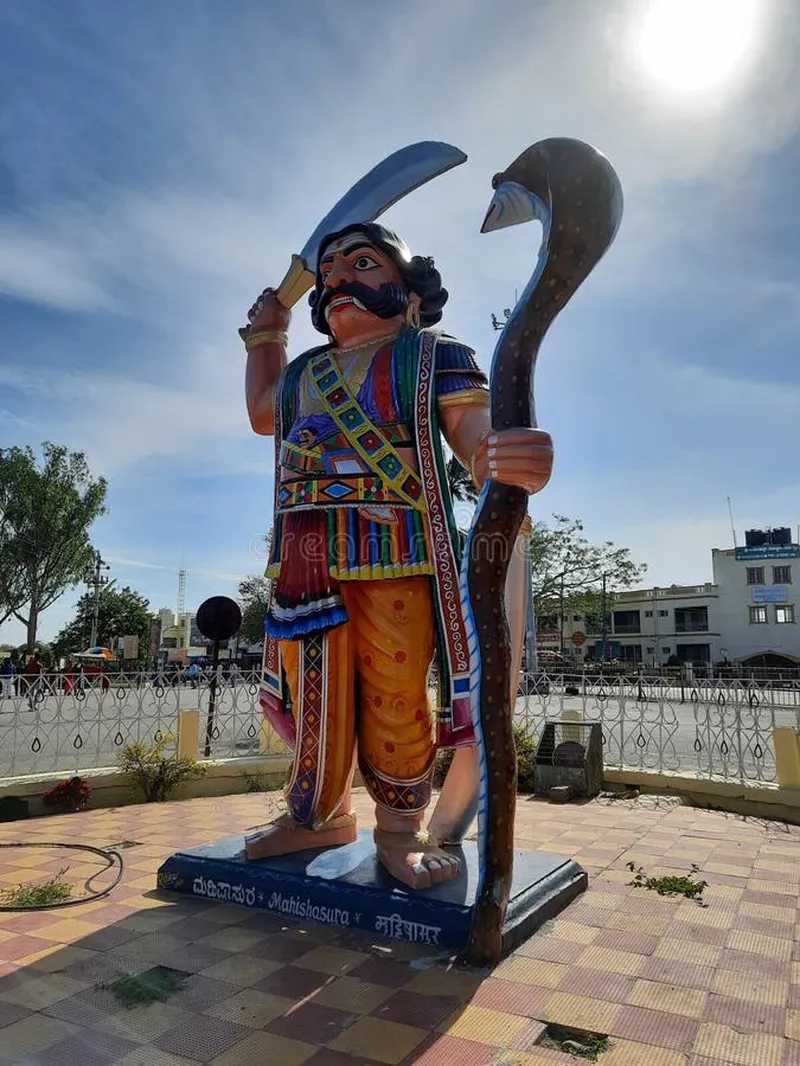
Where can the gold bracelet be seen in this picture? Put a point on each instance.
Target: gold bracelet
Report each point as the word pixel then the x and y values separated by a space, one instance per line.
pixel 265 336
pixel 484 436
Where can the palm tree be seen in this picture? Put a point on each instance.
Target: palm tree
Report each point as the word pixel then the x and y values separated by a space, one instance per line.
pixel 460 482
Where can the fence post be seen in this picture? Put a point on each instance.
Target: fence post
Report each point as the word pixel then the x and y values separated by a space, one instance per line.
pixel 787 756
pixel 189 733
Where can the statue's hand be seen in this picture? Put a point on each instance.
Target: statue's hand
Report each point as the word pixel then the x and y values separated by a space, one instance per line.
pixel 269 313
pixel 521 457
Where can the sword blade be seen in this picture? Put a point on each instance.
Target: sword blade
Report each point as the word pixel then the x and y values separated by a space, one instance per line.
pixel 388 182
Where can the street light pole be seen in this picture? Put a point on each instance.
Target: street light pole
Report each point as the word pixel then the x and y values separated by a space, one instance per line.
pixel 604 620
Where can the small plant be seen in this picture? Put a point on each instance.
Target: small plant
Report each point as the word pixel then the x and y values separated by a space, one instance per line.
pixel 31 894
pixel 525 744
pixel 152 986
pixel 671 884
pixel 71 794
pixel 580 1045
pixel 156 774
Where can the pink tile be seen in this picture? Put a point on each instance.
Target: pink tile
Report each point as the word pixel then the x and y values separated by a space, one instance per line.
pixel 655 1027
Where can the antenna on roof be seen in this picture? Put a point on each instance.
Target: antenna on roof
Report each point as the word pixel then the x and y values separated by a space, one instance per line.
pixel 733 528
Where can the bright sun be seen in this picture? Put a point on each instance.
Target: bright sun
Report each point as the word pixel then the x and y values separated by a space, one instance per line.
pixel 695 45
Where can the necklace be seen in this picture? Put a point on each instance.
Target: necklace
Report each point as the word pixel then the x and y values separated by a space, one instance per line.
pixel 373 342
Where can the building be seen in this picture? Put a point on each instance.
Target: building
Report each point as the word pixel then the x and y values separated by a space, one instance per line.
pixel 653 626
pixel 747 615
pixel 757 601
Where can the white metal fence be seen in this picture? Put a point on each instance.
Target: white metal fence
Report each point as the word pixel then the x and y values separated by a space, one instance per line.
pixel 720 728
pixel 59 727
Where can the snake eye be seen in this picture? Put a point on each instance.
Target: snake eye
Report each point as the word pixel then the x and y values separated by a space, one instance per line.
pixel 497 180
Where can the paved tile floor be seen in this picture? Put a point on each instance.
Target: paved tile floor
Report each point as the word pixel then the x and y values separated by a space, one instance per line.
pixel 672 983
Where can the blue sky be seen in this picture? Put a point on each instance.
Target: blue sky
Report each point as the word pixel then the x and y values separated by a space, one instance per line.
pixel 159 163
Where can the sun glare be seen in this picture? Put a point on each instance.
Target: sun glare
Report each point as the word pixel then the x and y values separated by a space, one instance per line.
pixel 696 45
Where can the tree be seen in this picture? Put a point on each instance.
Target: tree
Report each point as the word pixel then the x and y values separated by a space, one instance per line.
pixel 460 481
pixel 567 570
pixel 121 613
pixel 254 592
pixel 45 515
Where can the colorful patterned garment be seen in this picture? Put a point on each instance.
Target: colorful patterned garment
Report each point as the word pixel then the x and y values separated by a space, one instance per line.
pixel 349 506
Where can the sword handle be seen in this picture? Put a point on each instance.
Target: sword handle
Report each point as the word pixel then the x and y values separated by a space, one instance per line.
pixel 297 282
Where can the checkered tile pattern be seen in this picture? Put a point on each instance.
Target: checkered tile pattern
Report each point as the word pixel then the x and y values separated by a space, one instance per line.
pixel 671 982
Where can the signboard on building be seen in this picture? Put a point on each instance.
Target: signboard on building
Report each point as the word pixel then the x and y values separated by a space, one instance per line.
pixel 770 594
pixel 548 636
pixel 769 551
pixel 578 638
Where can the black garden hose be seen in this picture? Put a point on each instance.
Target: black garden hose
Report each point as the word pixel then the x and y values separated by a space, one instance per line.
pixel 112 858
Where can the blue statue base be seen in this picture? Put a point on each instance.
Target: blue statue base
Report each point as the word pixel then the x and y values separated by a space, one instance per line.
pixel 347 886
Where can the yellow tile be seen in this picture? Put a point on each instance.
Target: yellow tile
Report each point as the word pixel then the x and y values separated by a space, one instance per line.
pixel 611 961
pixel 484 1026
pixel 629 1053
pixel 738 1049
pixel 793 1024
pixel 460 983
pixel 726 868
pixel 152 1056
pixel 770 947
pixel 265 1048
pixel 750 987
pixel 581 1012
pixel 251 1007
pixel 670 998
pixel 380 1040
pixel 639 923
pixel 603 900
pixel 530 971
pixel 35 1033
pixel 712 917
pixel 783 888
pixel 778 866
pixel 766 910
pixel 689 951
pixel 146 881
pixel 59 957
pixel 329 959
pixel 241 970
pixel 575 932
pixel 66 931
pixel 143 1026
pixel 359 997
pixel 43 991
pixel 231 938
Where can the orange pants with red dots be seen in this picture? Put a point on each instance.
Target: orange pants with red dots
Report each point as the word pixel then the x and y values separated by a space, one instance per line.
pixel 361 690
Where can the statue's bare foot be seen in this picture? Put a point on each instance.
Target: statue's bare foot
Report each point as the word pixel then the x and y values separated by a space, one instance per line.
pixel 284 836
pixel 415 859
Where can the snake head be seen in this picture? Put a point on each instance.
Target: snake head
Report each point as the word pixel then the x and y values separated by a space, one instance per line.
pixel 511 204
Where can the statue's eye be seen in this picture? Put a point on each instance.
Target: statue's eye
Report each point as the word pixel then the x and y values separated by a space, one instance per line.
pixel 365 262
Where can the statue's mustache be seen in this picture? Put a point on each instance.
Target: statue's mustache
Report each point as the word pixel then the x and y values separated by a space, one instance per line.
pixel 387 301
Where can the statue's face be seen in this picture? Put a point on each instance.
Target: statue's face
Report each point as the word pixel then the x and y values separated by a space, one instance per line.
pixel 354 297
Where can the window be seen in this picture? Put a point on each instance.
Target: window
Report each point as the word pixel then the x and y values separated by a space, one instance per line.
pixel 781 575
pixel 758 616
pixel 755 575
pixel 666 651
pixel 649 651
pixel 648 614
pixel 577 617
pixel 691 619
pixel 784 613
pixel 626 622
pixel 663 614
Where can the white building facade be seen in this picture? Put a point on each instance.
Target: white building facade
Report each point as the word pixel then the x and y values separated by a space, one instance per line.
pixel 758 609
